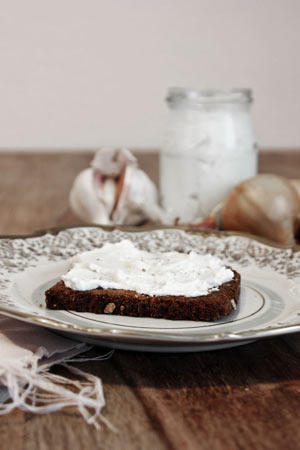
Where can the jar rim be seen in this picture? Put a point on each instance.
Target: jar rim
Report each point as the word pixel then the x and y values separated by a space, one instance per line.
pixel 202 96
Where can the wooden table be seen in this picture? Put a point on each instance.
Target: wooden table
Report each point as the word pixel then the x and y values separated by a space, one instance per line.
pixel 242 398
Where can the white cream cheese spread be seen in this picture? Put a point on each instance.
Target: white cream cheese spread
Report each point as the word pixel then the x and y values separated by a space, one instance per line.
pixel 124 266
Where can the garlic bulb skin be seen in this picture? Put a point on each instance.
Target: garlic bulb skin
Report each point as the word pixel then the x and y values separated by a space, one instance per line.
pixel 266 205
pixel 296 185
pixel 111 161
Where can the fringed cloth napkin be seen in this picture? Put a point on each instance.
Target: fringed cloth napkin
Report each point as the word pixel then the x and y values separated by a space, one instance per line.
pixel 26 354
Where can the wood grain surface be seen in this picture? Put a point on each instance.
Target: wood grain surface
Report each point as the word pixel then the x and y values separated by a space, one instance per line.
pixel 242 398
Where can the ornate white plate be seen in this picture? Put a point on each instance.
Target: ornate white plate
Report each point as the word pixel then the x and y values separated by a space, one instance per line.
pixel 269 303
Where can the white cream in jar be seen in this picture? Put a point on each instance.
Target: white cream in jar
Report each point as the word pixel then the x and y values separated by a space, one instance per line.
pixel 209 146
pixel 124 266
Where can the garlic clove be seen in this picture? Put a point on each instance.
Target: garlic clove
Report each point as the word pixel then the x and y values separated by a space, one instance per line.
pixel 91 200
pixel 265 205
pixel 138 200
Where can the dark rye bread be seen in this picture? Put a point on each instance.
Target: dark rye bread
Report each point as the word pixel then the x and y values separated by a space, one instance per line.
pixel 213 306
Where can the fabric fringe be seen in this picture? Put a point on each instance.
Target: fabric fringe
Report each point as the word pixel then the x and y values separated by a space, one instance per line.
pixel 34 389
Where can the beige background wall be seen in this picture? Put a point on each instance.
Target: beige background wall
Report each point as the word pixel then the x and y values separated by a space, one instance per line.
pixel 83 73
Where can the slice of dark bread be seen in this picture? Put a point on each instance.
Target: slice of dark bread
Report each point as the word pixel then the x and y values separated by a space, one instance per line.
pixel 213 306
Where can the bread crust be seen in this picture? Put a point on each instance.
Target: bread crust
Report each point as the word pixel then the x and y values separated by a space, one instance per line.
pixel 213 306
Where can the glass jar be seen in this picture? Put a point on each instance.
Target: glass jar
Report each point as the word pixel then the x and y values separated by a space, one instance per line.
pixel 209 146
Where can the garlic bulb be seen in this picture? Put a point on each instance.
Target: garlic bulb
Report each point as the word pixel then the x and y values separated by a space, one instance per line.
pixel 296 185
pixel 266 205
pixel 115 191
